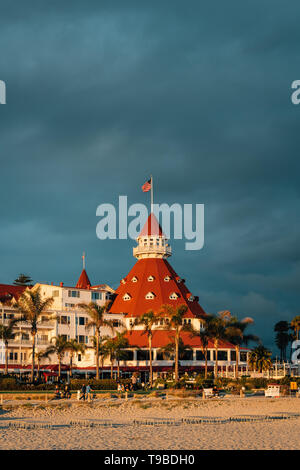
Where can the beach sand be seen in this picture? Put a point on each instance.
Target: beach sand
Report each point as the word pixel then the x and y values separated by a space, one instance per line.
pixel 124 434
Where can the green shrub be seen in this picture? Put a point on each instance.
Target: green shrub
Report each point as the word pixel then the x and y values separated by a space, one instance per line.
pixel 260 382
pixel 105 384
pixel 8 384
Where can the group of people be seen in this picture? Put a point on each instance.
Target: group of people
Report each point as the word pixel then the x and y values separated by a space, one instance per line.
pixel 86 393
pixel 65 393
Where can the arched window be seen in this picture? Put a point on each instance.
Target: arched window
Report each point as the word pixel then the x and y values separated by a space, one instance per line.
pixel 126 296
pixel 150 296
pixel 173 296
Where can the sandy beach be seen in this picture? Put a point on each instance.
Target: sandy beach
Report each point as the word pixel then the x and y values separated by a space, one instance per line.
pixel 110 424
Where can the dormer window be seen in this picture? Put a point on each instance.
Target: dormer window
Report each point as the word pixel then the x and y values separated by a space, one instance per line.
pixel 191 298
pixel 151 278
pixel 178 280
pixel 126 296
pixel 167 279
pixel 123 281
pixel 134 279
pixel 173 296
pixel 150 296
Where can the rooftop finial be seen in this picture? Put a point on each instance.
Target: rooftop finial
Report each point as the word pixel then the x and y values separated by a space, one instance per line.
pixel 83 260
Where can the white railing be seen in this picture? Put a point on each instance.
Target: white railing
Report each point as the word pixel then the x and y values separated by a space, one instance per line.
pixel 152 249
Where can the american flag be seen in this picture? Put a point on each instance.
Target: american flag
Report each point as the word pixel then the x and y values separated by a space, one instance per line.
pixel 147 186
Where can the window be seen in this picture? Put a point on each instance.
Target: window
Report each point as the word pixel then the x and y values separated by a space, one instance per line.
pixel 69 305
pixel 143 355
pixel 162 356
pixel 173 296
pixel 233 355
pixel 116 323
pixel 191 298
pixel 243 356
pixel 126 296
pixel 128 355
pixel 79 357
pixel 81 320
pixel 73 293
pixel 187 321
pixel 65 337
pixel 222 355
pixel 63 320
pixel 45 337
pixel 167 279
pixel 187 355
pixel 151 278
pixel 134 279
pixel 96 296
pixel 82 339
pixel 150 295
pixel 200 356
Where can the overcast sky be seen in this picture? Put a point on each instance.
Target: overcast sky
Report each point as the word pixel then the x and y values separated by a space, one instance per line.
pixel 102 94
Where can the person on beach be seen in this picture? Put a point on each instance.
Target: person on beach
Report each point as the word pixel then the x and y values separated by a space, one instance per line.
pixel 67 393
pixel 57 394
pixel 88 392
pixel 83 392
pixel 133 382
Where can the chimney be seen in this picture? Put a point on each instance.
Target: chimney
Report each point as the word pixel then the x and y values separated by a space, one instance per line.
pixel 61 284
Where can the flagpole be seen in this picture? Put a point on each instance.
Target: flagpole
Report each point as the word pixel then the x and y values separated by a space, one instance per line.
pixel 151 194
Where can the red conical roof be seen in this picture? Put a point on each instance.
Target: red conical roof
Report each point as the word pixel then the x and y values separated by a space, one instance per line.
pixel 151 227
pixel 83 281
pixel 155 276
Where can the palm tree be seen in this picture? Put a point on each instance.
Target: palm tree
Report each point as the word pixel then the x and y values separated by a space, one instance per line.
pixel 169 350
pixel 282 338
pixel 59 348
pixel 42 355
pixel 101 347
pixel 32 307
pixel 97 321
pixel 23 280
pixel 204 334
pixel 260 359
pixel 234 332
pixel 295 324
pixel 174 316
pixel 74 347
pixel 110 351
pixel 121 342
pixel 7 334
pixel 148 321
pixel 218 331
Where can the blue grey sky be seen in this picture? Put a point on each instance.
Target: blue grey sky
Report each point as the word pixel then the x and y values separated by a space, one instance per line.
pixel 102 94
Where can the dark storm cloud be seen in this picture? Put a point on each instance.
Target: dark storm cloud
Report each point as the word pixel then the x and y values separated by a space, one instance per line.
pixel 101 94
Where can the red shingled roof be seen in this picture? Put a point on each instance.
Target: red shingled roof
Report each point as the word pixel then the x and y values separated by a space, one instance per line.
pixel 151 227
pixel 83 281
pixel 158 268
pixel 8 291
pixel 161 338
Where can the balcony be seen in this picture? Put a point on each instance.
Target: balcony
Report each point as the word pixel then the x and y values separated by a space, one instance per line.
pixel 155 249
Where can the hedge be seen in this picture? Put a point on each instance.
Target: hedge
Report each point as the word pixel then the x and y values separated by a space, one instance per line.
pixel 75 384
pixel 104 384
